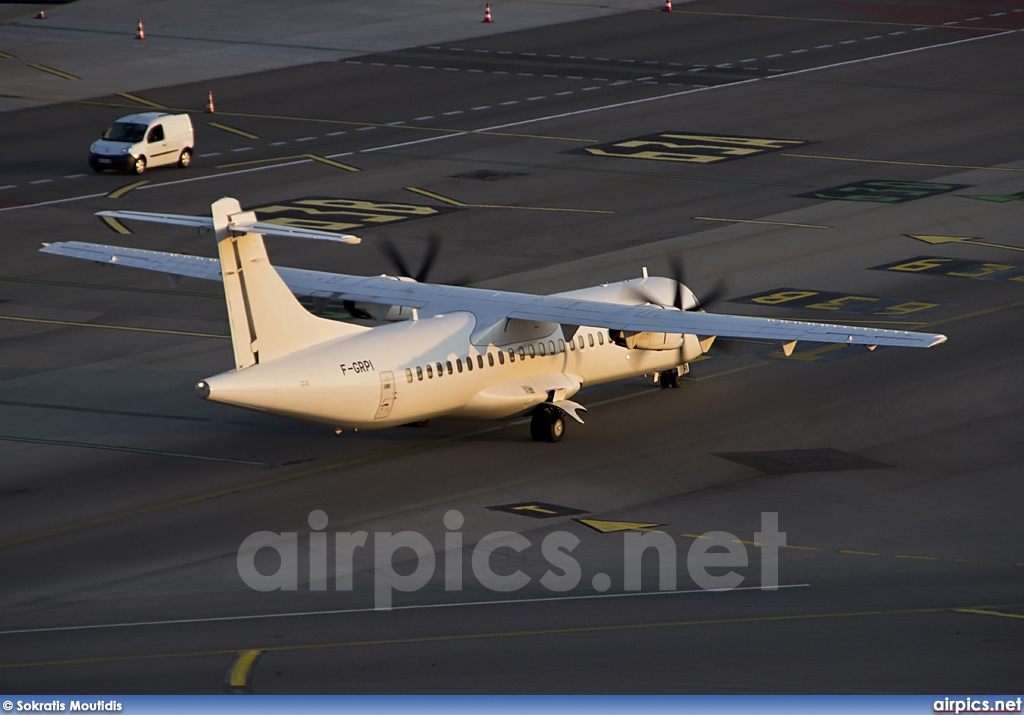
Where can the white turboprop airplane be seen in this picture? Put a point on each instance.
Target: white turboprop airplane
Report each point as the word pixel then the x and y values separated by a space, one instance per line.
pixel 448 351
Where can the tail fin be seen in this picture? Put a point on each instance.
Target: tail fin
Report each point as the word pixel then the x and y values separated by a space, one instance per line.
pixel 267 322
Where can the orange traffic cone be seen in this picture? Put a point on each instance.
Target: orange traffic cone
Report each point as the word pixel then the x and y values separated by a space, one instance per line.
pixel 487 13
pixel 140 34
pixel 209 103
pixel 41 15
pixel 668 6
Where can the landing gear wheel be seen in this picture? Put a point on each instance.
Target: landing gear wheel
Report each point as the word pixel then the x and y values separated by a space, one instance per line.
pixel 547 425
pixel 670 378
pixel 139 166
pixel 185 159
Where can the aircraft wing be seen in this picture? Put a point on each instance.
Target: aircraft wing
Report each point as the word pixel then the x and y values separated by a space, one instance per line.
pixel 491 306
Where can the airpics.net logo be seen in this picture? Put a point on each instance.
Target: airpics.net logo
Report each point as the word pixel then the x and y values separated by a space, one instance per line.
pixel 711 559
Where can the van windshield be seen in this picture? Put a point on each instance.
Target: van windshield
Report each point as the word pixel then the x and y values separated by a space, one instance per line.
pixel 124 132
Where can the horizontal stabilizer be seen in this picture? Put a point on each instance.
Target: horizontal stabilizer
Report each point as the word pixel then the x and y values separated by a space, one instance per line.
pixel 240 223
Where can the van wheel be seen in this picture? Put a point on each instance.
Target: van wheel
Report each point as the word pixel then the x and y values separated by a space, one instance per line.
pixel 185 159
pixel 139 166
pixel 97 169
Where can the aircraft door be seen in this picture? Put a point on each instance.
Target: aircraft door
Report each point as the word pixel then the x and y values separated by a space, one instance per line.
pixel 387 395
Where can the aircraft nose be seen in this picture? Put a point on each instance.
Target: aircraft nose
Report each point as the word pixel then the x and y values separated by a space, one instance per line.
pixel 203 389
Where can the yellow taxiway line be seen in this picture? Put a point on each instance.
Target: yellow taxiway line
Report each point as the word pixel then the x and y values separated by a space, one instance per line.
pixel 118 193
pixel 770 223
pixel 141 100
pixel 226 128
pixel 75 324
pixel 900 163
pixel 55 72
pixel 455 202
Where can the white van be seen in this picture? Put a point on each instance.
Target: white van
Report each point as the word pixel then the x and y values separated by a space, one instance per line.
pixel 141 140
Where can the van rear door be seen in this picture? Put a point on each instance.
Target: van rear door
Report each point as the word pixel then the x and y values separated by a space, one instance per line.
pixel 158 149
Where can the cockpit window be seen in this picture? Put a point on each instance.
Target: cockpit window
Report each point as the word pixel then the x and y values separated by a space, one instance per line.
pixel 125 132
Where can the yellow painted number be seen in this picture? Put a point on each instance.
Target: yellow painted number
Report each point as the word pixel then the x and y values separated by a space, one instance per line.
pixel 911 306
pixel 922 264
pixel 784 296
pixel 985 269
pixel 839 303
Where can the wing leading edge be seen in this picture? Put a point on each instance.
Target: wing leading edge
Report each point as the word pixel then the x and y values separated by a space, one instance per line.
pixel 490 306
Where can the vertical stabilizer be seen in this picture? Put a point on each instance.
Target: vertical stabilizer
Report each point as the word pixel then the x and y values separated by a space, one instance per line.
pixel 266 320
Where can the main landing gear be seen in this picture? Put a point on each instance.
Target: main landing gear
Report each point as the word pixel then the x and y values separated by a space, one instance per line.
pixel 547 424
pixel 670 378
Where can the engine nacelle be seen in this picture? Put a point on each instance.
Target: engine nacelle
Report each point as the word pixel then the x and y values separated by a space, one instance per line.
pixel 379 312
pixel 646 340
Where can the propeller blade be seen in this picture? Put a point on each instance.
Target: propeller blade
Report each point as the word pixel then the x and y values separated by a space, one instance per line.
pixel 714 295
pixel 433 248
pixel 395 257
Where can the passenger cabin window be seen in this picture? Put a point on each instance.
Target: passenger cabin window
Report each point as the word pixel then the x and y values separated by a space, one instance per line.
pixel 580 339
pixel 501 358
pixel 590 339
pixel 430 372
pixel 540 347
pixel 440 369
pixel 449 365
pixel 511 355
pixel 551 346
pixel 600 338
pixel 419 372
pixel 408 374
pixel 572 344
pixel 561 345
pixel 490 359
pixel 458 363
pixel 156 134
pixel 522 353
pixel 533 353
pixel 480 361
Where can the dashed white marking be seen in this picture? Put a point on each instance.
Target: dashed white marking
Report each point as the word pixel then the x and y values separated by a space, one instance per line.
pixel 601 79
pixel 433 47
pixel 452 113
pixel 669 74
pixel 552 55
pixel 482 52
pixel 572 76
pixel 423 118
pixel 9 186
pixel 822 47
pixel 997 14
pixel 353 62
pixel 650 62
pixel 644 79
pixel 499 72
pixel 580 57
pixel 481 107
pixel 528 54
pixel 451 69
pixel 549 76
pixel 972 19
pixel 510 102
pixel 401 65
pixel 848 42
pixel 524 74
pixel 589 89
pixel 898 32
pixel 504 52
pixel 335 134
pixel 305 139
pixel 74 176
pixel 675 64
pixel 951 22
pixel 243 148
pixel 919 29
pixel 603 59
pixel 534 99
pixel 627 60
pixel 377 64
pixel 796 52
pixel 426 67
pixel 621 81
pixel 874 37
pixel 396 124
pixel 365 129
pixel 696 69
pixel 562 94
pixel 772 57
pixel 749 59
pixel 729 64
pixel 215 153
pixel 475 71
pixel 457 49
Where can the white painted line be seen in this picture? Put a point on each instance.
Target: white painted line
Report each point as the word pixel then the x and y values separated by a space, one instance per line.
pixel 822 47
pixel 650 62
pixel 481 107
pixel 74 176
pixel 997 14
pixel 919 29
pixel 772 57
pixel 972 19
pixel 795 52
pixel 550 76
pixel 377 64
pixel 552 55
pixel 475 70
pixel 41 181
pixel 305 139
pixel 399 123
pixel 589 89
pixel 898 32
pixel 426 67
pixel 848 42
pixel 562 94
pixel 423 118
pixel 603 59
pixel 403 66
pixel 12 186
pixel 729 64
pixel 484 52
pixel 271 144
pixel 528 54
pixel 499 72
pixel 509 103
pixel 452 113
pixel 643 79
pixel 365 129
pixel 217 153
pixel 621 81
pixel 874 37
pixel 580 57
pixel 353 62
pixel 336 134
pixel 504 52
pixel 549 117
pixel 572 76
pixel 451 69
pixel 415 607
pixel 627 60
pixel 749 59
pixel 534 99
pixel 433 47
pixel 243 148
pixel 525 74
pixel 457 49
pixel 951 22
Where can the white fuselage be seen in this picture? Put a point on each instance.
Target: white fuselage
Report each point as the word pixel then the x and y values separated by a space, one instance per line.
pixel 421 369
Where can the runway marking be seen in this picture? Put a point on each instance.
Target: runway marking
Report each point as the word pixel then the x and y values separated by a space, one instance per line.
pixel 962 239
pixel 611 628
pixel 492 130
pixel 7 56
pixel 609 527
pixel 986 612
pixel 901 163
pixel 835 20
pixel 690 147
pixel 141 100
pixel 115 448
pixel 916 558
pixel 300 157
pixel 836 302
pixel 414 607
pixel 538 510
pixel 118 193
pixel 226 128
pixel 769 223
pixel 55 72
pixel 454 202
pixel 75 324
pixel 858 553
pixel 115 225
pixel 240 674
